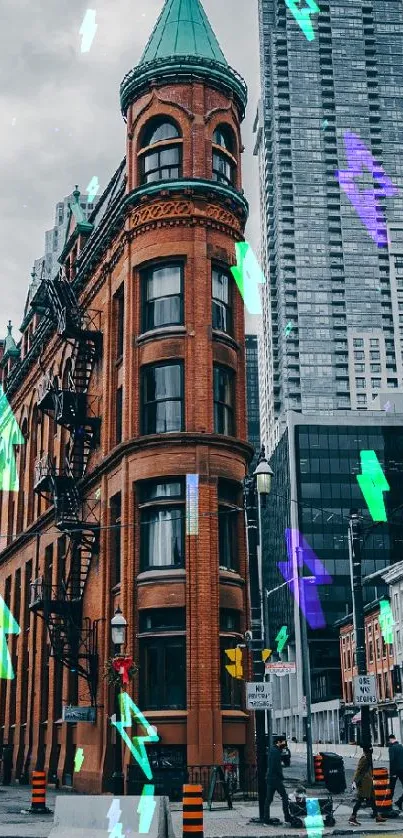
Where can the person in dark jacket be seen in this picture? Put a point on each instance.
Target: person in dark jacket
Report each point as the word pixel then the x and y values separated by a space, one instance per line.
pixel 365 787
pixel 396 766
pixel 275 780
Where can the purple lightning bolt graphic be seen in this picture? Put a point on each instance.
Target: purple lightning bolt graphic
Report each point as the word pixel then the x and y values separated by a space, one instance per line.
pixel 298 550
pixel 366 202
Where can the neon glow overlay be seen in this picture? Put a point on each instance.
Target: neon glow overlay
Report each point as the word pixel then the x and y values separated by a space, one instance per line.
pixel 366 202
pixel 88 30
pixel 303 16
pixel 192 504
pixel 10 435
pixel 146 808
pixel 114 813
pixel 248 275
pixel 136 746
pixel 373 484
pixel 7 626
pixel 92 189
pixel 288 329
pixel 386 621
pixel 299 554
pixel 78 760
pixel 314 819
pixel 282 638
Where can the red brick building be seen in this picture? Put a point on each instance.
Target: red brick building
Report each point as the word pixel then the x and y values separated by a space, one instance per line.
pixel 380 662
pixel 130 374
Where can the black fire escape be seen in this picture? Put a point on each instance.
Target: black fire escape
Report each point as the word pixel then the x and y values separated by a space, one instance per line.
pixel 73 639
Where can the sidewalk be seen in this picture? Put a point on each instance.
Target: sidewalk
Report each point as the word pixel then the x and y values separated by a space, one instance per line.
pixel 236 823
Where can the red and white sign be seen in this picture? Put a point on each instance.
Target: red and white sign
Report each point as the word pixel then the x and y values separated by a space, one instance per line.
pixel 281 668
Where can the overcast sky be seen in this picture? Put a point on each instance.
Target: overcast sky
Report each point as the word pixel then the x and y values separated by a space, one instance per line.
pixel 60 121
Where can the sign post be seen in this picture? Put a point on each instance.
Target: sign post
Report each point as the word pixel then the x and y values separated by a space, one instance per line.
pixel 364 689
pixel 258 695
pixel 281 668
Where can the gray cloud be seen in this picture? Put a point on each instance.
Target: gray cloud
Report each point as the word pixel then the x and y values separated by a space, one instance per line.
pixel 65 108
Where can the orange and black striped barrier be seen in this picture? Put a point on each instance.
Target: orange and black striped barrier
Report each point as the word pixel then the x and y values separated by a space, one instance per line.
pixel 318 768
pixel 193 811
pixel 38 800
pixel 382 792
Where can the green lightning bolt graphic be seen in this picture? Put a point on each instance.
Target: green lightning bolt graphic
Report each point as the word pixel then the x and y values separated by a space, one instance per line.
pixel 373 483
pixel 282 638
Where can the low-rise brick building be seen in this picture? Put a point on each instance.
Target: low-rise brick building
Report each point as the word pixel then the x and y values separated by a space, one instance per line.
pixel 130 375
pixel 380 662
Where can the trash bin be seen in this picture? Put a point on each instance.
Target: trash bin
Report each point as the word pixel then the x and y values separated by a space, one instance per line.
pixel 333 770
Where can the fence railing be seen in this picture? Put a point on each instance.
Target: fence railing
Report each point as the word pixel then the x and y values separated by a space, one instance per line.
pixel 241 779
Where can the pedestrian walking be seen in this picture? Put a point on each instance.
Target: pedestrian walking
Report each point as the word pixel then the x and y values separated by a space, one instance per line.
pixel 396 766
pixel 364 783
pixel 275 780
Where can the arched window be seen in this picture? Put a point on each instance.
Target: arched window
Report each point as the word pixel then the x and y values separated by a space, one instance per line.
pixel 224 163
pixel 160 156
pixel 22 459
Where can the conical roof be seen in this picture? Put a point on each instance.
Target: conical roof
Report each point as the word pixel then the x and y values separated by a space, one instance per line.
pixel 182 48
pixel 183 28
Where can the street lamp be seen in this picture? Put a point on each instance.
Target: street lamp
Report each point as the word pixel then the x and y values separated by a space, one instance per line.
pixel 258 484
pixel 118 635
pixel 354 546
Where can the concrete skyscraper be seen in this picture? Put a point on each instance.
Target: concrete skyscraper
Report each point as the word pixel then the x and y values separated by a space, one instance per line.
pixel 330 303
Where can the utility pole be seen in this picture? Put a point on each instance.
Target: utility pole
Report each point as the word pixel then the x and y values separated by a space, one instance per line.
pixel 306 669
pixel 256 626
pixel 354 544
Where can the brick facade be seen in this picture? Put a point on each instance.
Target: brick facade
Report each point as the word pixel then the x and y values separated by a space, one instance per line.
pixel 197 227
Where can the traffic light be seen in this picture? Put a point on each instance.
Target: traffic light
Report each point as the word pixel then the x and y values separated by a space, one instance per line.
pixel 235 669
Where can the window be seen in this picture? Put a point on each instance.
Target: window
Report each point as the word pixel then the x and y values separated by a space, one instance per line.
pixel 375 368
pixel 375 356
pixel 375 383
pixel 162 524
pixel 164 161
pixel 119 317
pixel 163 668
pixel 162 398
pixel 118 416
pixel 359 356
pixel 162 619
pixel 223 400
pixel 360 383
pixel 231 688
pixel 223 161
pixel 359 367
pixel 222 302
pixel 230 620
pixel 361 398
pixel 358 342
pixel 116 520
pixel 162 296
pixel 228 501
pixel 374 342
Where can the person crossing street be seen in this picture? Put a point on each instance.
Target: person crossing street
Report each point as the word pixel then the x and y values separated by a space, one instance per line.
pixel 396 767
pixel 363 780
pixel 275 780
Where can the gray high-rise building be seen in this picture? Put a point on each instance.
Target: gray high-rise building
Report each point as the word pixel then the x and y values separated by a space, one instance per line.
pixel 331 297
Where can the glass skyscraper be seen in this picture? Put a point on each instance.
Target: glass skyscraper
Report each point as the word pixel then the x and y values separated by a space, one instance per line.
pixel 331 298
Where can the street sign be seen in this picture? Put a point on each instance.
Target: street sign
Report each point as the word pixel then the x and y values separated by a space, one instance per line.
pixel 364 689
pixel 258 695
pixel 78 714
pixel 281 668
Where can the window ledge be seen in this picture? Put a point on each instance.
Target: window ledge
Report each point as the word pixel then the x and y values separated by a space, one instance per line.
pixel 231 576
pixel 161 575
pixel 157 334
pixel 171 714
pixel 224 337
pixel 240 714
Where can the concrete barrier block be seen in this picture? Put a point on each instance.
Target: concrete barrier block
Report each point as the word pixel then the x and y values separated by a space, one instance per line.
pixel 95 816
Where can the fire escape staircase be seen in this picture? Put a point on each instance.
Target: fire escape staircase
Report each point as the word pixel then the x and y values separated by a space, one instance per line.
pixel 73 638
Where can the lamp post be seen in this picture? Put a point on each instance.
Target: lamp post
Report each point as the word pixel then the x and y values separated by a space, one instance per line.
pixel 260 484
pixel 118 633
pixel 354 546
